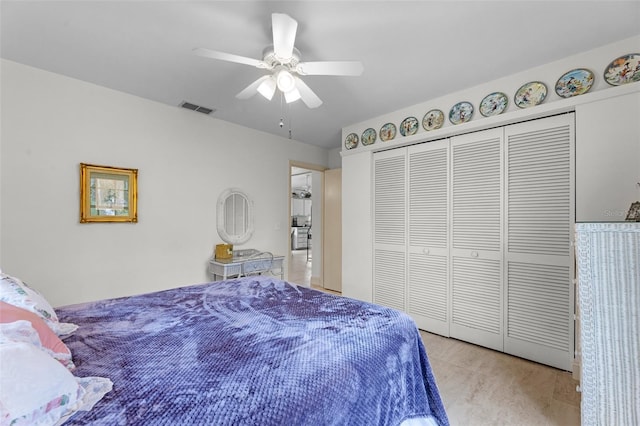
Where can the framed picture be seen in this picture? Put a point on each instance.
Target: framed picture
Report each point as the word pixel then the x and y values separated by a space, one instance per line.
pixel 634 212
pixel 108 194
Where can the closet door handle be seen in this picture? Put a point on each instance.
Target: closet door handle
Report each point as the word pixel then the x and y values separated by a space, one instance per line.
pixel 474 254
pixel 425 250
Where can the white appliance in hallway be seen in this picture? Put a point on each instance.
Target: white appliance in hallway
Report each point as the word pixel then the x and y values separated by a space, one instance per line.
pixel 300 237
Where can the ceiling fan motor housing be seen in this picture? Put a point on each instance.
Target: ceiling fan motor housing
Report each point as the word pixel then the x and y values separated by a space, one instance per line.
pixel 270 58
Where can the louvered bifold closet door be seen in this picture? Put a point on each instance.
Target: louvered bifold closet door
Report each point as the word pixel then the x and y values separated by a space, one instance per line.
pixel 476 240
pixel 428 237
pixel 539 258
pixel 389 245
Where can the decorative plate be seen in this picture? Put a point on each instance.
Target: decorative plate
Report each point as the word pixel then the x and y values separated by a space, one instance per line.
pixel 387 132
pixel 530 94
pixel 409 126
pixel 461 112
pixel 575 82
pixel 625 69
pixel 369 137
pixel 433 119
pixel 493 104
pixel 351 141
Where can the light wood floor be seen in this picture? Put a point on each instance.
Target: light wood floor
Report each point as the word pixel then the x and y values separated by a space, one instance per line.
pixel 481 387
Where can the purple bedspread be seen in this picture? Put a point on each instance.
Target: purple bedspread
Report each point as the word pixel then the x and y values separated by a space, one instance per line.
pixel 253 351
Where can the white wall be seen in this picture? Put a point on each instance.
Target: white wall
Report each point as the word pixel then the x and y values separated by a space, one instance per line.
pixel 356 163
pixel 357 227
pixel 335 160
pixel 51 123
pixel 607 158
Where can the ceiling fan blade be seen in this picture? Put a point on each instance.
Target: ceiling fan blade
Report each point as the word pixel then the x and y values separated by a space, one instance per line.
pixel 213 54
pixel 252 89
pixel 284 35
pixel 351 68
pixel 308 97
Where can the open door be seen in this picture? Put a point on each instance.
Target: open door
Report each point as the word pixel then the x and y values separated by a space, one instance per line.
pixel 332 241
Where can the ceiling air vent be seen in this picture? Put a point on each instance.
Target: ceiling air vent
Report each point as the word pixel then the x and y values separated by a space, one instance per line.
pixel 194 107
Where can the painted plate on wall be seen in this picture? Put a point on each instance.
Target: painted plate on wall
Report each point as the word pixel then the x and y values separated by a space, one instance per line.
pixel 433 120
pixel 387 132
pixel 369 137
pixel 493 104
pixel 530 94
pixel 461 112
pixel 351 141
pixel 623 70
pixel 575 82
pixel 409 126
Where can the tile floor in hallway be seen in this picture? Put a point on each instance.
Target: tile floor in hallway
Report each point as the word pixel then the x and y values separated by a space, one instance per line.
pixel 481 387
pixel 300 268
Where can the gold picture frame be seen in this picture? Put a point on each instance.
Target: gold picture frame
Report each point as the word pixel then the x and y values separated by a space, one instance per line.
pixel 633 215
pixel 108 194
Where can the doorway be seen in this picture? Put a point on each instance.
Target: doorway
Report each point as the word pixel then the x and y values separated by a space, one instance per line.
pixel 305 218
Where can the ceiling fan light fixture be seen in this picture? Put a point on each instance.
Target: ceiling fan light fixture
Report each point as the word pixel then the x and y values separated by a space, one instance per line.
pixel 292 95
pixel 285 81
pixel 267 88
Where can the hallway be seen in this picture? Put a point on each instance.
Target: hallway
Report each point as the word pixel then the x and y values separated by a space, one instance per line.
pixel 300 271
pixel 300 268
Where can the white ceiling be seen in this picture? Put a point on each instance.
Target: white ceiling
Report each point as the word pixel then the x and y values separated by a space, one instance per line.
pixel 412 51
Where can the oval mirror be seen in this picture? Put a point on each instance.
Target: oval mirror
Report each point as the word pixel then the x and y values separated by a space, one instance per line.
pixel 235 217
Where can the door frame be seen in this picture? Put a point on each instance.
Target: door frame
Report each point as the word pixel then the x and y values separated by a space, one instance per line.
pixel 318 242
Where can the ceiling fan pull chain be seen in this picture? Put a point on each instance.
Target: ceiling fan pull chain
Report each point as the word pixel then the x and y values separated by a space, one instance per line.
pixel 289 113
pixel 281 124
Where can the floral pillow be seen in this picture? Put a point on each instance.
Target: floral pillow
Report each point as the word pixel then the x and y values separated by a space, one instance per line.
pixel 17 293
pixel 24 322
pixel 34 388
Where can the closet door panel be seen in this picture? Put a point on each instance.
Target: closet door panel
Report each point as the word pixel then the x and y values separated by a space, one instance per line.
pixel 476 239
pixel 539 257
pixel 389 195
pixel 537 313
pixel 476 301
pixel 389 211
pixel 539 188
pixel 428 195
pixel 477 191
pixel 428 236
pixel 388 278
pixel 428 292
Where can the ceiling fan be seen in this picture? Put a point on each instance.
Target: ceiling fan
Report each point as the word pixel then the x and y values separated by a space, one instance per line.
pixel 283 60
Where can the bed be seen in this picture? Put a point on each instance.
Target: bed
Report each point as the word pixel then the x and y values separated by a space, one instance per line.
pixel 251 351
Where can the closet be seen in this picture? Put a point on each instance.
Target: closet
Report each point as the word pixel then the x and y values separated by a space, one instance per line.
pixel 472 237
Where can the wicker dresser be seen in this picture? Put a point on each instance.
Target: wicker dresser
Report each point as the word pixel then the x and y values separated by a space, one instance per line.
pixel 608 260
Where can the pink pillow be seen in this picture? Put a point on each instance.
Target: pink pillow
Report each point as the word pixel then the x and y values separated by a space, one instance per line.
pixel 49 339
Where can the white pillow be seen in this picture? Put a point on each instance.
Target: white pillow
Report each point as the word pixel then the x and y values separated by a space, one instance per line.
pixel 17 293
pixel 35 389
